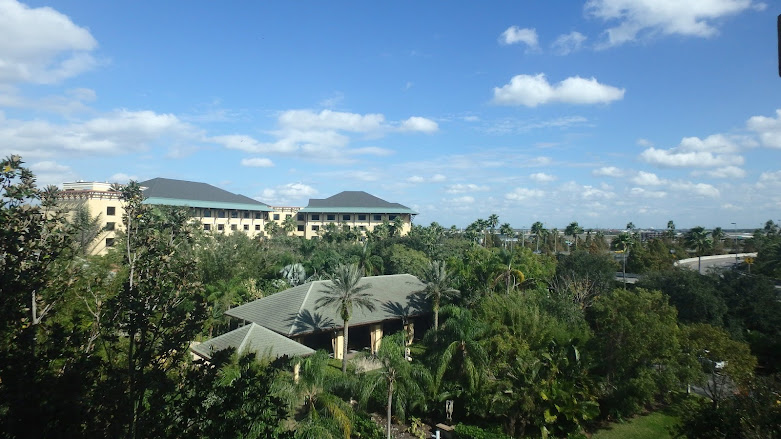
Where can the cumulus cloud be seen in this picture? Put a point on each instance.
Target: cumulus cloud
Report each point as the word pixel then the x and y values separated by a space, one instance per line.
pixel 286 193
pixel 645 193
pixel 51 173
pixel 608 171
pixel 713 151
pixel 514 35
pixel 330 120
pixel 647 179
pixel 466 199
pixel 568 43
pixel 419 124
pixel 521 194
pixel 768 129
pixel 725 172
pixel 701 189
pixel 462 188
pixel 41 45
pixel 534 90
pixel 121 177
pixel 117 132
pixel 257 162
pixel 638 18
pixel 541 177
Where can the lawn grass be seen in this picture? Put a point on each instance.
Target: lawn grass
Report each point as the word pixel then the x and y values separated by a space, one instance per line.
pixel 654 425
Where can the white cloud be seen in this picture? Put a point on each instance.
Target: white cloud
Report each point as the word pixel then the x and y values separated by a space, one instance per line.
pixel 419 124
pixel 532 91
pixel 647 179
pixel 638 18
pixel 286 194
pixel 701 189
pixel 117 132
pixel 541 177
pixel 568 43
pixel 438 178
pixel 514 35
pixel 416 179
pixel 768 129
pixel 714 151
pixel 330 120
pixel 725 172
pixel 769 179
pixel 462 188
pixel 51 173
pixel 521 194
pixel 645 193
pixel 644 142
pixel 608 171
pixel 590 192
pixel 121 177
pixel 41 45
pixel 371 150
pixel 257 162
pixel 463 200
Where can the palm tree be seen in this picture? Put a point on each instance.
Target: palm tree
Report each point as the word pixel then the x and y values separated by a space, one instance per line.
pixel 401 377
pixel 573 230
pixel 344 293
pixel 623 241
pixel 289 224
pixel 321 413
pixel 437 279
pixel 671 230
pixel 507 274
pixel 538 230
pixel 697 238
pixel 271 228
pixel 506 230
pixel 87 229
pixel 461 334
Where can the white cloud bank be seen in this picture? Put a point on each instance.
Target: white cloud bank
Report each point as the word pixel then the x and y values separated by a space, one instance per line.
pixel 768 129
pixel 41 45
pixel 713 151
pixel 534 90
pixel 638 18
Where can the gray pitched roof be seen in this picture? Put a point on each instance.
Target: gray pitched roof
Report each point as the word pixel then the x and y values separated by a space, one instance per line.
pixel 295 311
pixel 182 192
pixel 252 338
pixel 355 201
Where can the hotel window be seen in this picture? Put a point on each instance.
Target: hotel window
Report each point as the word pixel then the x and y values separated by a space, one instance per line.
pixel 234 214
pixel 246 215
pixel 345 217
pixel 377 217
pixel 330 217
pixel 207 227
pixel 109 242
pixel 111 210
pixel 234 227
pixel 315 228
pixel 221 214
pixel 300 227
pixel 207 213
pixel 315 217
pixel 257 215
pixel 193 213
pixel 220 227
pixel 246 226
pixel 110 226
pixel 301 217
pixel 276 217
pixel 362 227
pixel 257 226
pixel 361 217
pixel 391 217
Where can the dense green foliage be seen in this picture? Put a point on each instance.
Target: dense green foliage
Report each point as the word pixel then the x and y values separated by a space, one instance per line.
pixel 526 341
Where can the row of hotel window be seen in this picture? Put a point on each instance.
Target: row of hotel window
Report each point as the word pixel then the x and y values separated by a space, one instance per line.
pixel 111 211
pixel 299 228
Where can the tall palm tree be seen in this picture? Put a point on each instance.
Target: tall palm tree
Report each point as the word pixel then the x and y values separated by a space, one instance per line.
pixel 320 413
pixel 507 274
pixel 344 293
pixel 538 230
pixel 438 286
pixel 402 378
pixel 289 224
pixel 463 354
pixel 507 231
pixel 697 238
pixel 573 230
pixel 623 241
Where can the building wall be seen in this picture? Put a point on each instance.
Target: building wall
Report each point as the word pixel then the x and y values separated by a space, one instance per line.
pixel 314 223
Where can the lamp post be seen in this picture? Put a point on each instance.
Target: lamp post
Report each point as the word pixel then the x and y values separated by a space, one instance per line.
pixel 735 231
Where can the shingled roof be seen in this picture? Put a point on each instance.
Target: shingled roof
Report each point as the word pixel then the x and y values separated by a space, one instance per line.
pixel 295 311
pixel 189 193
pixel 355 201
pixel 252 338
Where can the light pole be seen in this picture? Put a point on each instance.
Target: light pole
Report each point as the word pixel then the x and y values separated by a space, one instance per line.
pixel 735 231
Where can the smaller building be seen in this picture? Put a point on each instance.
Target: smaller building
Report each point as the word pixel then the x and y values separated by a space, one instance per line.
pixel 294 314
pixel 358 210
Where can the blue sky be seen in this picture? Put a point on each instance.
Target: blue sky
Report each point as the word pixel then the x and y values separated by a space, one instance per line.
pixel 601 112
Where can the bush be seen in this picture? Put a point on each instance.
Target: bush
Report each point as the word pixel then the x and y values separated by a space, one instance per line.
pixel 474 432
